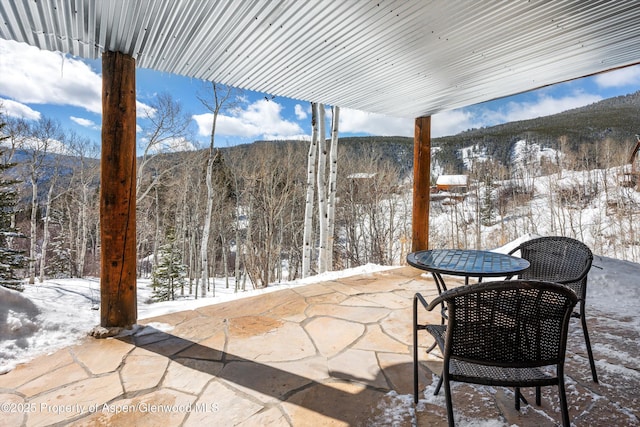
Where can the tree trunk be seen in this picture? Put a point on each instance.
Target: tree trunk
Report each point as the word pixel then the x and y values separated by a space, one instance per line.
pixel 33 233
pixel 84 232
pixel 308 211
pixel 221 96
pixel 333 182
pixel 322 190
pixel 239 246
pixel 45 226
pixel 206 229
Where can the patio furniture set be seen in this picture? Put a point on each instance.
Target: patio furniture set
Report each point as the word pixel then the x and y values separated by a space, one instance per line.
pixel 511 332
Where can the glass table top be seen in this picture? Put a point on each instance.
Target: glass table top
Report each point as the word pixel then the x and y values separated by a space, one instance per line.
pixel 467 262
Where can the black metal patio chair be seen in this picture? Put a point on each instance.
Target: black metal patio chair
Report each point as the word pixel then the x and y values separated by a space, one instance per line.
pixel 509 333
pixel 562 260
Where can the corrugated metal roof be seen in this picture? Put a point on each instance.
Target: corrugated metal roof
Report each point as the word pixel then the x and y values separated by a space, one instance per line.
pixel 396 57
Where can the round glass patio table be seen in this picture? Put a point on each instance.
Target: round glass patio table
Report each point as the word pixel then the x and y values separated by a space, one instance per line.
pixel 466 263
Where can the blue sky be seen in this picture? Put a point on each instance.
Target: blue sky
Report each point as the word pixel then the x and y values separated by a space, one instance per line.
pixel 35 83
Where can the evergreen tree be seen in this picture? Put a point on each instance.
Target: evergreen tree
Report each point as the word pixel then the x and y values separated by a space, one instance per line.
pixel 11 259
pixel 170 272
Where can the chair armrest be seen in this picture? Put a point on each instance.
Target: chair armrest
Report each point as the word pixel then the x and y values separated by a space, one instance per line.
pixel 429 306
pixel 423 301
pixel 437 301
pixel 440 300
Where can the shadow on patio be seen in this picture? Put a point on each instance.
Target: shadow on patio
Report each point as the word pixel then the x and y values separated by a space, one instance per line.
pixel 331 353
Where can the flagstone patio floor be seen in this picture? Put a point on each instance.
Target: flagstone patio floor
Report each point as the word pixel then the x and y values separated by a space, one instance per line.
pixel 334 353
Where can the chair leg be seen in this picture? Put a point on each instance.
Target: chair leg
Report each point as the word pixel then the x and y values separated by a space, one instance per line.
pixel 538 396
pixel 447 398
pixel 415 375
pixel 415 350
pixel 587 341
pixel 563 402
pixel 519 397
pixel 435 393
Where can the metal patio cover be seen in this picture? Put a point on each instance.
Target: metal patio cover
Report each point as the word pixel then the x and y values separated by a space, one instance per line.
pixel 396 57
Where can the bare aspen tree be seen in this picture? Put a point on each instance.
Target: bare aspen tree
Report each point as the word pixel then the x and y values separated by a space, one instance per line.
pixel 165 127
pixel 311 177
pixel 235 163
pixel 218 98
pixel 333 179
pixel 16 132
pixel 42 136
pixel 321 176
pixel 80 199
pixel 46 220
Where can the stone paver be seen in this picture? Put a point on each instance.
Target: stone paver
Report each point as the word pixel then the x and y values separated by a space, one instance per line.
pixel 360 366
pixel 36 368
pixel 101 356
pixel 184 378
pixel 332 335
pixel 274 341
pixel 329 354
pixel 78 398
pixel 158 408
pixel 143 370
pixel 71 373
pixel 376 339
pixel 219 405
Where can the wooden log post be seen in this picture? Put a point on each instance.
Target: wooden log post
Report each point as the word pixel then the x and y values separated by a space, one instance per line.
pixel 118 305
pixel 421 183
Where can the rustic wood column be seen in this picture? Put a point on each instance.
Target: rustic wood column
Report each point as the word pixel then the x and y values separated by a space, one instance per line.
pixel 118 305
pixel 421 183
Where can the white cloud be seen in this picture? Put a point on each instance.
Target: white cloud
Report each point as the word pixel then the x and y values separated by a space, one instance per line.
pixel 172 145
pixel 301 113
pixel 456 121
pixel 261 119
pixel 52 146
pixel 34 76
pixel 446 123
pixel 618 78
pixel 84 122
pixel 16 109
pixel 544 106
pixel 355 121
pixel 144 110
pixel 452 122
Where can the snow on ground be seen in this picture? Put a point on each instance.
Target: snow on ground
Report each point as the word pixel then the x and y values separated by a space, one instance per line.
pixel 58 313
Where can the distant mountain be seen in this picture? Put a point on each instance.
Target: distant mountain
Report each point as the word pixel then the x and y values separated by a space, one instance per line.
pixel 397 150
pixel 617 119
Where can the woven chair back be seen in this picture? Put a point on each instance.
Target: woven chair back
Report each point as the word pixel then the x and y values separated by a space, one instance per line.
pixel 558 259
pixel 516 323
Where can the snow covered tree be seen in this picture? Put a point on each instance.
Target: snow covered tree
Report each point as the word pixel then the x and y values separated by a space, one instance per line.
pixel 170 272
pixel 11 259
